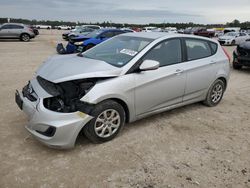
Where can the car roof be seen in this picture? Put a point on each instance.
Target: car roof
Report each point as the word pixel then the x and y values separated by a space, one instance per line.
pixel 163 35
pixel 13 24
pixel 151 35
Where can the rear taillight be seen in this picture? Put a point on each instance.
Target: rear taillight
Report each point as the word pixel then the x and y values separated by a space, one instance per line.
pixel 227 54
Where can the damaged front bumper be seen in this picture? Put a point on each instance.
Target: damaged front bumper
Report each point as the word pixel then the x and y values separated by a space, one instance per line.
pixel 55 129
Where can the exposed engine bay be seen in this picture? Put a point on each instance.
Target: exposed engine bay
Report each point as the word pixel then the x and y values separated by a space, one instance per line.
pixel 67 95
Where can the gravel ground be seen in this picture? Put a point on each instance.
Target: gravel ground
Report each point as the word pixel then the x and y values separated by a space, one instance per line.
pixel 193 146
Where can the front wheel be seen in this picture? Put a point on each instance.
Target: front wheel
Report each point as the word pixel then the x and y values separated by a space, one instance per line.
pixel 109 118
pixel 215 93
pixel 25 37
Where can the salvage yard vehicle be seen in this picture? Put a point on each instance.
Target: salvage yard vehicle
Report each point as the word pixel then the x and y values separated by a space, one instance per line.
pixel 241 55
pixel 205 32
pixel 77 32
pixel 85 42
pixel 233 38
pixel 126 78
pixel 63 27
pixel 16 31
pixel 43 26
pixel 149 29
pixel 83 30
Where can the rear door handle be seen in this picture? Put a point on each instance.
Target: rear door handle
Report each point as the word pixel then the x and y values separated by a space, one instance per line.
pixel 178 71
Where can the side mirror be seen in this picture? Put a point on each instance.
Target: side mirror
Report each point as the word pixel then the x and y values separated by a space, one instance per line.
pixel 149 65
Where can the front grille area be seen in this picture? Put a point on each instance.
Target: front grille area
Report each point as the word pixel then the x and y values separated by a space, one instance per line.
pixel 29 93
pixel 221 42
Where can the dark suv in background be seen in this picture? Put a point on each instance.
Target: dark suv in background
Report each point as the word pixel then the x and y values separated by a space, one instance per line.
pixel 241 56
pixel 16 31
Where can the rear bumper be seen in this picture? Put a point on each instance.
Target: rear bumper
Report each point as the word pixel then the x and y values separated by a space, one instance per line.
pixel 54 129
pixel 241 60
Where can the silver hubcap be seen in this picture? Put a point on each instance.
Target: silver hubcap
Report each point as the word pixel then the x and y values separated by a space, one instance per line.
pixel 107 123
pixel 217 93
pixel 25 37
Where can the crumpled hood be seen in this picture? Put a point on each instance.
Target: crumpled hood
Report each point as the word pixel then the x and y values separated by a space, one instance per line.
pixel 226 37
pixel 61 68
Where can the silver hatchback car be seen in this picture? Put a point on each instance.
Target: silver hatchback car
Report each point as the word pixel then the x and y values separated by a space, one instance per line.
pixel 124 79
pixel 16 31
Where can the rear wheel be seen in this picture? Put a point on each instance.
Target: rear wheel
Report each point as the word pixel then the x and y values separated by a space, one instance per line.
pixel 215 93
pixel 109 118
pixel 25 37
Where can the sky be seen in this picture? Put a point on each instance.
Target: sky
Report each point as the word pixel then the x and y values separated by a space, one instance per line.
pixel 129 11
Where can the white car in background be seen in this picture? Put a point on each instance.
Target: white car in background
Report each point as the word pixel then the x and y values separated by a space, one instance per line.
pixel 63 27
pixel 43 26
pixel 233 38
pixel 170 30
pixel 149 29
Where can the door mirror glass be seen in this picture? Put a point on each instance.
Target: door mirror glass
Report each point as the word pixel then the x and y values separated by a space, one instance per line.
pixel 149 65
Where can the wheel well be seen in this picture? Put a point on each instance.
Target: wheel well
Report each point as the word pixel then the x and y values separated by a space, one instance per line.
pixel 24 33
pixel 223 80
pixel 125 107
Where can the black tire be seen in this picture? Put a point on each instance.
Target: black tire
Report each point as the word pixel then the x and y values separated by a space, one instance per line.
pixel 233 43
pixel 91 130
pixel 213 94
pixel 25 37
pixel 236 65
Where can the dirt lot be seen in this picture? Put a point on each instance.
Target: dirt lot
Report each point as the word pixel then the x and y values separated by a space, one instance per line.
pixel 193 146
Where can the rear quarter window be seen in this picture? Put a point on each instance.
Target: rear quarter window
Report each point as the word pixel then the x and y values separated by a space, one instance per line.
pixel 198 49
pixel 214 47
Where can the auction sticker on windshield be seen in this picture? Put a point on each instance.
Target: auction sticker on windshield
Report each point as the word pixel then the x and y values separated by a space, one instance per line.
pixel 128 52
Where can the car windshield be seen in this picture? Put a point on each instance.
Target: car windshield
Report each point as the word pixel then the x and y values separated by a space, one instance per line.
pixel 118 51
pixel 231 34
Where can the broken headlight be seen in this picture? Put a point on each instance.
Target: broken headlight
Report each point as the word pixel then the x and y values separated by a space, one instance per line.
pixel 67 95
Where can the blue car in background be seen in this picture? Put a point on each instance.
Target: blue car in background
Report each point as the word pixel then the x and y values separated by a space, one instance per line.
pixel 85 42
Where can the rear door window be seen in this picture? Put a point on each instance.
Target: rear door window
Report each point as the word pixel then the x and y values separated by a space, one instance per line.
pixel 6 27
pixel 197 49
pixel 16 27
